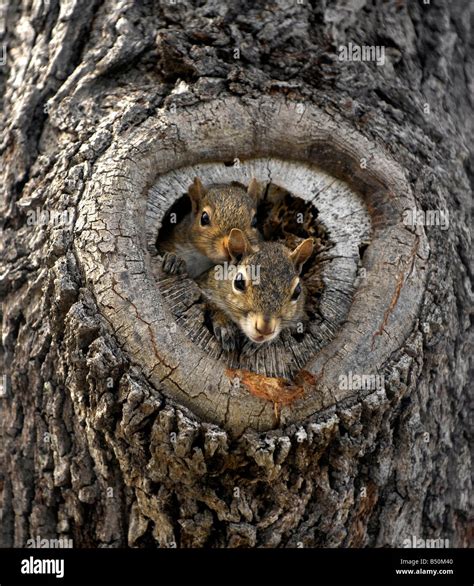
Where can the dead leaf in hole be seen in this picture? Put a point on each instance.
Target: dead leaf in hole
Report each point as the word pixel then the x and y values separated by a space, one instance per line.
pixel 279 391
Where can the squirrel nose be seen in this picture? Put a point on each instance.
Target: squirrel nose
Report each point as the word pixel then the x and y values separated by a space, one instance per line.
pixel 264 326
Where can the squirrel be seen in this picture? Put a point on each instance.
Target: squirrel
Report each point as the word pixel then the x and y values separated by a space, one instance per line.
pixel 260 293
pixel 200 240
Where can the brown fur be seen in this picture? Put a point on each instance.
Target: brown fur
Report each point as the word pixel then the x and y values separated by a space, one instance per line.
pixel 265 307
pixel 228 206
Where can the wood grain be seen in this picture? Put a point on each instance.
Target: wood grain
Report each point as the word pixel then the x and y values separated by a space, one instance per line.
pixel 312 156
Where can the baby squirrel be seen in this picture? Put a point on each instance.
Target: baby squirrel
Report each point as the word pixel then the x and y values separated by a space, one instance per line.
pixel 200 240
pixel 260 293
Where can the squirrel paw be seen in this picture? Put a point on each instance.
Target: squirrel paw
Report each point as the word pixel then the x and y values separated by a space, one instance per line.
pixel 173 264
pixel 227 336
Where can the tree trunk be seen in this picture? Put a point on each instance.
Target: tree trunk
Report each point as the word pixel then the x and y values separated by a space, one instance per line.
pixel 122 421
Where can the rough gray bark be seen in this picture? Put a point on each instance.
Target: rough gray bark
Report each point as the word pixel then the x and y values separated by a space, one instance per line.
pixel 111 432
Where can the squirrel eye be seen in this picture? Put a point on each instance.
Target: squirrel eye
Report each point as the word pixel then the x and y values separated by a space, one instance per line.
pixel 296 292
pixel 205 219
pixel 254 221
pixel 239 282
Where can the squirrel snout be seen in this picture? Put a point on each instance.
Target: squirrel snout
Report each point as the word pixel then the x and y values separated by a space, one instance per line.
pixel 260 328
pixel 265 325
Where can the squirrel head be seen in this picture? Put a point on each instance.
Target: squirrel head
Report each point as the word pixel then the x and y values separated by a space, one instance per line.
pixel 265 293
pixel 218 209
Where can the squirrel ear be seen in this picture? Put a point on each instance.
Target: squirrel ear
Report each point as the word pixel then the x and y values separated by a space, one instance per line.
pixel 196 192
pixel 254 189
pixel 301 253
pixel 237 245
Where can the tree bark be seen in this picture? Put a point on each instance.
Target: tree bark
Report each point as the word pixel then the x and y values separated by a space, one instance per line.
pixel 122 422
